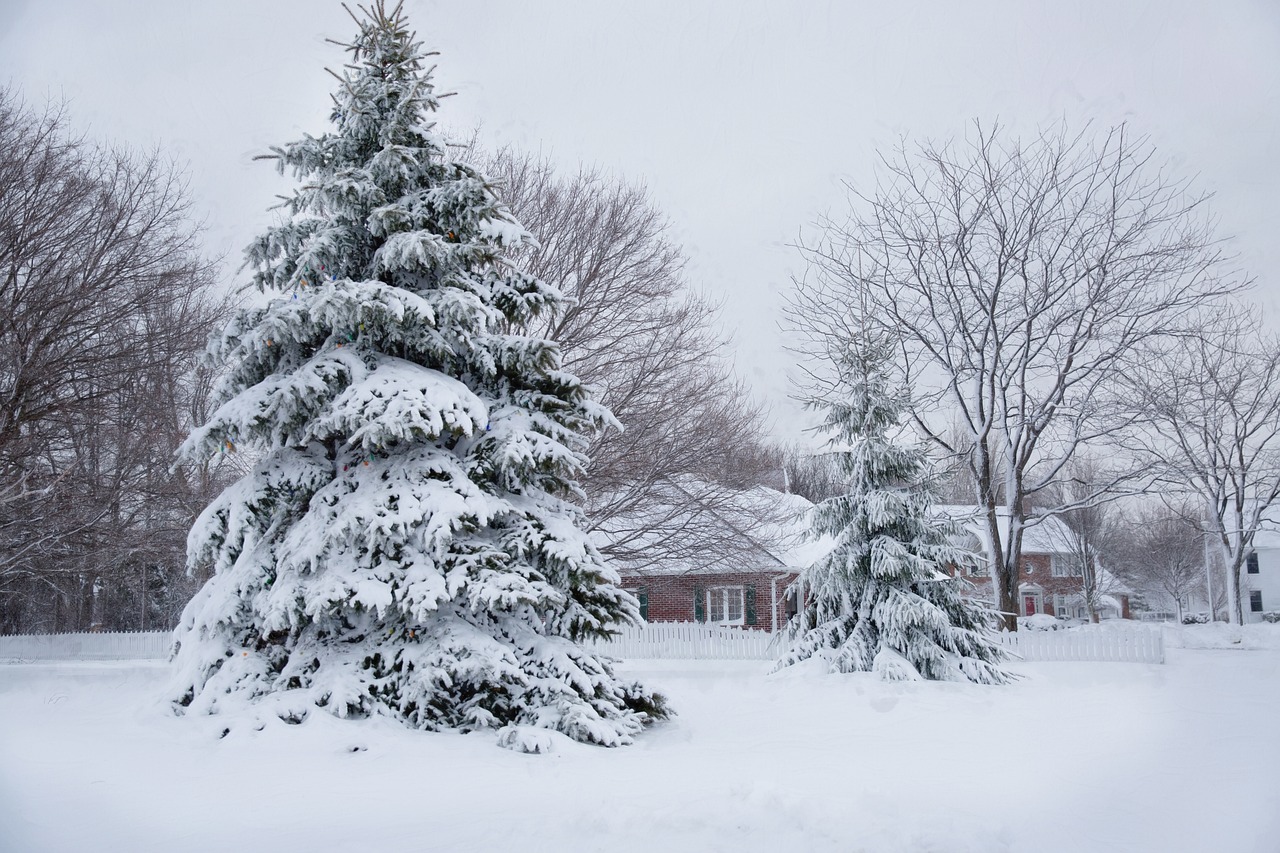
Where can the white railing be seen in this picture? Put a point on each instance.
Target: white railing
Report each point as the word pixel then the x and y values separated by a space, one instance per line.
pixel 142 645
pixel 1136 644
pixel 689 640
pixel 671 640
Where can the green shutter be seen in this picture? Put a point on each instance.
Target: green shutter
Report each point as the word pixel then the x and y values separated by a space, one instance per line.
pixel 699 605
pixel 642 595
pixel 750 594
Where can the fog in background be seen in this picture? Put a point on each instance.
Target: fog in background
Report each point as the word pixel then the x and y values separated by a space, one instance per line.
pixel 742 118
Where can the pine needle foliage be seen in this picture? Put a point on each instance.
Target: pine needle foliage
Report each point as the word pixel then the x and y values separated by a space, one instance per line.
pixel 881 599
pixel 409 542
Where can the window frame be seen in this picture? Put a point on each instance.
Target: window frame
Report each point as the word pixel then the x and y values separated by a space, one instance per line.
pixel 1064 566
pixel 641 595
pixel 1255 601
pixel 1251 564
pixel 726 594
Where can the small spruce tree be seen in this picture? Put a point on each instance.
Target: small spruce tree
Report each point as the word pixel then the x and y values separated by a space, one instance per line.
pixel 880 600
pixel 409 542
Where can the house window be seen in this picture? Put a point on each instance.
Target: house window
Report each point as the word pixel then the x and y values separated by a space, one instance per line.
pixel 642 598
pixel 1251 563
pixel 1060 606
pixel 1065 566
pixel 978 568
pixel 1028 568
pixel 1255 601
pixel 725 605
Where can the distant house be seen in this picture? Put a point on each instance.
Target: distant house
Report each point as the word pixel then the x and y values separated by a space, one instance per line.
pixel 1260 579
pixel 747 590
pixel 1050 577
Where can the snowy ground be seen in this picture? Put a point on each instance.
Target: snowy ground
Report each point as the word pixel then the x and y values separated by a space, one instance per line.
pixel 1105 756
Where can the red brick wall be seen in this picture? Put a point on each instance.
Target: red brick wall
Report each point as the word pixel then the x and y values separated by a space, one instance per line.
pixel 1037 569
pixel 671 597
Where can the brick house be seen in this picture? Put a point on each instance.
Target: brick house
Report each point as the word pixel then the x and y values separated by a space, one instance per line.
pixel 750 590
pixel 753 597
pixel 747 591
pixel 1050 578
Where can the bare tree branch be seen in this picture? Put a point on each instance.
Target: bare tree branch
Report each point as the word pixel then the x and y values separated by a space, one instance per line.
pixel 103 307
pixel 1020 279
pixel 1213 408
pixel 668 487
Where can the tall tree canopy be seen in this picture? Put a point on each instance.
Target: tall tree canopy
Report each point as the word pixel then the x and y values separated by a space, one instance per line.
pixel 1022 279
pixel 409 543
pixel 880 599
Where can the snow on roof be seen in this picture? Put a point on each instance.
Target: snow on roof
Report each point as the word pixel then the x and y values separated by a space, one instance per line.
pixel 1041 534
pixel 784 542
pixel 789 538
pixel 779 544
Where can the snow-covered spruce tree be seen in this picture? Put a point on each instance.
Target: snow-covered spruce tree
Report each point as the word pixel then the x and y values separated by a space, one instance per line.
pixel 879 601
pixel 408 544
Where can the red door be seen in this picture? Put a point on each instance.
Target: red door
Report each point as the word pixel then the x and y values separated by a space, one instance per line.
pixel 1029 605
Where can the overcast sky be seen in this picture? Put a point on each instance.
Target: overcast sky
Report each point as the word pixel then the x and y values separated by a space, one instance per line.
pixel 742 118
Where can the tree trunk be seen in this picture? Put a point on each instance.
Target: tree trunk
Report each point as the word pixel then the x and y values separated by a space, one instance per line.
pixel 1233 580
pixel 1003 579
pixel 1233 593
pixel 1009 606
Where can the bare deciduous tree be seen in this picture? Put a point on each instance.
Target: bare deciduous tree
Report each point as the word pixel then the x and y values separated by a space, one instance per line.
pixel 1091 530
pixel 665 487
pixel 1162 554
pixel 1019 278
pixel 1213 403
pixel 814 476
pixel 103 305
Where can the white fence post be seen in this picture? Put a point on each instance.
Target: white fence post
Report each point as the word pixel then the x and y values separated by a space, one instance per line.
pixel 690 640
pixel 1136 644
pixel 687 640
pixel 141 645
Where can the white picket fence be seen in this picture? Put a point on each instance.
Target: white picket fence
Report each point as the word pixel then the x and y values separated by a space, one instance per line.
pixel 655 640
pixel 141 645
pixel 692 640
pixel 1133 644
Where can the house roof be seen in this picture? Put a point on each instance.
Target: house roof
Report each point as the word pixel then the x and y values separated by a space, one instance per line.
pixel 784 543
pixel 779 544
pixel 1041 535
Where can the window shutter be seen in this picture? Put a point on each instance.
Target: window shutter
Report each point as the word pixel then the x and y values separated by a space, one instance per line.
pixel 642 596
pixel 699 604
pixel 750 594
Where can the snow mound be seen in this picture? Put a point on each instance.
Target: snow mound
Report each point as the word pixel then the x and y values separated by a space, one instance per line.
pixel 528 739
pixel 891 666
pixel 1220 635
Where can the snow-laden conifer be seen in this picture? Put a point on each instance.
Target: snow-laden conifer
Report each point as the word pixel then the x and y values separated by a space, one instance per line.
pixel 408 543
pixel 880 600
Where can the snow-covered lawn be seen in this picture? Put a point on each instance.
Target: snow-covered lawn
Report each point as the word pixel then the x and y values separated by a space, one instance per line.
pixel 1076 757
